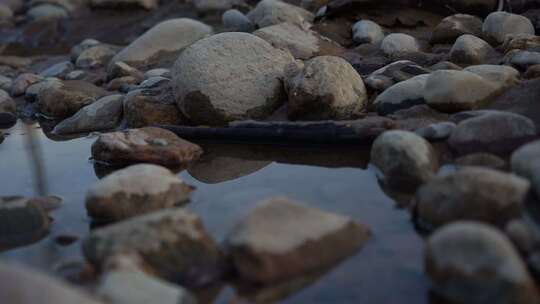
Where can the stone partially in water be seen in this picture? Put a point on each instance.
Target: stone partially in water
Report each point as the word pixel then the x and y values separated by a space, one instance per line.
pixel 22 222
pixel 151 107
pixel 135 190
pixel 471 193
pixel 405 159
pixel 145 145
pixel 172 242
pixel 474 263
pixel 281 239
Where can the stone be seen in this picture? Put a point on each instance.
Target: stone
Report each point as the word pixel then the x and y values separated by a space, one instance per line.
pixel 160 72
pixel 135 190
pixel 47 12
pixel 302 42
pixel 405 159
pixel 151 107
pixel 272 12
pixel 532 72
pixel 469 49
pixel 77 50
pixel 280 232
pixel 454 26
pixel 104 114
pixel 498 25
pixel 229 76
pixel 235 21
pixel 498 133
pixel 481 160
pixel 5 83
pixel 8 110
pixel 59 70
pixel 120 83
pixel 132 287
pixel 396 44
pixel 445 65
pixel 154 82
pixel 61 99
pixel 523 59
pixel 209 6
pixel 471 262
pixel 521 236
pixel 21 285
pixel 471 193
pixel 121 69
pixel 367 31
pixel 437 131
pixel 162 42
pixel 146 4
pixel 524 42
pixel 95 57
pixel 454 91
pixel 525 162
pixel 502 76
pixel 401 95
pixel 22 82
pixel 326 88
pixel 171 242
pixel 145 145
pixel 393 73
pixel 22 222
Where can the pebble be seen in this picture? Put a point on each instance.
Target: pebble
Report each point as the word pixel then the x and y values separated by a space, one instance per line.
pixel 95 57
pixel 498 25
pixel 396 44
pixel 59 70
pixel 481 159
pixel 22 82
pixel 437 131
pixel 22 222
pixel 455 26
pixel 401 95
pixel 47 11
pixel 235 21
pixel 367 31
pixel 152 107
pixel 469 49
pixel 272 12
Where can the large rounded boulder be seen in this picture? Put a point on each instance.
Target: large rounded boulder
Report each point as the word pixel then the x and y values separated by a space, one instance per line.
pixel 229 76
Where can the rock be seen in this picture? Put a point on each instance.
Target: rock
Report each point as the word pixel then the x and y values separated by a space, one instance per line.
pixel 61 99
pixel 393 73
pixel 95 57
pixel 396 44
pixel 454 91
pixel 327 87
pixel 104 114
pixel 272 12
pixel 131 287
pixel 367 31
pixel 121 83
pixel 77 50
pixel 525 162
pixel 454 26
pixel 145 145
pixel 401 95
pixel 24 286
pixel 502 76
pixel 469 49
pixel 59 70
pixel 236 21
pixel 22 222
pixel 258 255
pixel 146 4
pixel 172 242
pixel 521 236
pixel 22 82
pixel 229 76
pixel 470 262
pixel 209 6
pixel 532 72
pixel 121 69
pixel 523 59
pixel 136 190
pixel 152 107
pixel 497 133
pixel 8 110
pixel 471 193
pixel 437 131
pixel 162 42
pixel 482 160
pixel 5 83
pixel 525 42
pixel 445 65
pixel 161 72
pixel 302 42
pixel 405 159
pixel 498 25
pixel 47 12
pixel 154 82
pixel 32 92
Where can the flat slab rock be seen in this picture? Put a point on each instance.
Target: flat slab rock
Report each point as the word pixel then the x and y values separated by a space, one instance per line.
pixel 145 145
pixel 281 239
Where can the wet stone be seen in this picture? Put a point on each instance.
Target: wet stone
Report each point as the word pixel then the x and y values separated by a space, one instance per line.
pixel 145 145
pixel 22 222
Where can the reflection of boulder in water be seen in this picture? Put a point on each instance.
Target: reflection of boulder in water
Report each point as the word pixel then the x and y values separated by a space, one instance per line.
pixel 213 170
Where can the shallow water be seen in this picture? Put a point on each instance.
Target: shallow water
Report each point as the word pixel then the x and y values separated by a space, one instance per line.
pixel 230 180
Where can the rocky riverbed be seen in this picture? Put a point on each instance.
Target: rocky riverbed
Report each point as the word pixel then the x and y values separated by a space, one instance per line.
pixel 239 151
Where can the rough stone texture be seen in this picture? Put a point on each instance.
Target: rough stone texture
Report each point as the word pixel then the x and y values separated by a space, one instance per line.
pixel 145 145
pixel 327 87
pixel 367 31
pixel 471 193
pixel 24 286
pixel 22 82
pixel 470 49
pixel 229 76
pixel 497 133
pixel 236 21
pixel 437 131
pixel 525 162
pixel 104 114
pixel 135 190
pixel 474 263
pixel 22 222
pixel 405 159
pixel 271 12
pixel 95 57
pixel 498 25
pixel 401 95
pixel 393 73
pixel 172 242
pixel 454 26
pixel 165 40
pixel 525 42
pixel 397 44
pixel 132 287
pixel 523 59
pixel 502 76
pixel 280 239
pixel 151 107
pixel 302 42
pixel 59 70
pixel 61 99
pixel 147 4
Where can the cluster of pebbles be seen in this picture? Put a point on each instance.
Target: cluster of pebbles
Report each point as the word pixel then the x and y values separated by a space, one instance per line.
pixel 452 86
